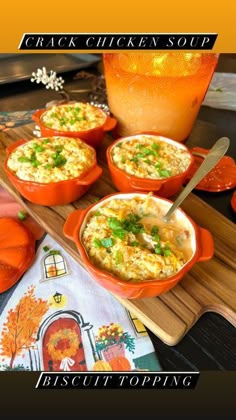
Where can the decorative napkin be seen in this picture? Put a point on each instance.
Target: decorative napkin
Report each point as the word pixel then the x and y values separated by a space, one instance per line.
pixel 222 92
pixel 59 319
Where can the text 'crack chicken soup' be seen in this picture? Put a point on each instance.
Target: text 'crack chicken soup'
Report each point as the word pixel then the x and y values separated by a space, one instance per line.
pixel 148 157
pixel 51 159
pixel 128 238
pixel 76 116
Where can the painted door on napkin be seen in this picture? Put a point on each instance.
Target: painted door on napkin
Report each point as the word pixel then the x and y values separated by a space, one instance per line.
pixel 62 346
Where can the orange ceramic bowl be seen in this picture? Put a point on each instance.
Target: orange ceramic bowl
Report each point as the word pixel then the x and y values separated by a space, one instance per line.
pixel 53 193
pixel 201 242
pixel 165 187
pixel 93 136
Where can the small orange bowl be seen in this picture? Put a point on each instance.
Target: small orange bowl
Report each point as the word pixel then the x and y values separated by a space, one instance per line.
pixel 201 243
pixel 164 187
pixel 93 136
pixel 53 193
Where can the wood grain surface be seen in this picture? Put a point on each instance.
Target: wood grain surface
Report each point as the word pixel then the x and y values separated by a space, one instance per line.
pixel 209 286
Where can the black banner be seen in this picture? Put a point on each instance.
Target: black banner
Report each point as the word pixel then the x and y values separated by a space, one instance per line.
pixel 117 380
pixel 100 42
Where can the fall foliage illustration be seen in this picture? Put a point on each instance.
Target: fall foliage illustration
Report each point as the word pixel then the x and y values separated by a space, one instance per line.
pixel 19 330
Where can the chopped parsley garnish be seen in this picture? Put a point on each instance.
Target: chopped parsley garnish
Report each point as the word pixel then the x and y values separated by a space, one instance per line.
pixel 45 141
pixel 119 144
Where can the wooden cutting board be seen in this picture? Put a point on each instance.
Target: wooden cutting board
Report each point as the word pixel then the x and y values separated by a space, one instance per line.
pixel 209 286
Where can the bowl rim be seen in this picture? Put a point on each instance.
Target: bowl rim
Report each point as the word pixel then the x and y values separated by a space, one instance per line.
pixel 90 130
pixel 77 236
pixel 153 181
pixel 42 184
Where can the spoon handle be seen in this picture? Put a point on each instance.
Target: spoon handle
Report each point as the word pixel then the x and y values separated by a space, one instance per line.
pixel 215 154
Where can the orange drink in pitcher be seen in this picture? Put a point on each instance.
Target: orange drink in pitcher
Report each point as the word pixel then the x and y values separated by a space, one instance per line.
pixel 157 91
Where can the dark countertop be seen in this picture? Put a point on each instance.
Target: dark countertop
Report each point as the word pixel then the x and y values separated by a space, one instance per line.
pixel 211 343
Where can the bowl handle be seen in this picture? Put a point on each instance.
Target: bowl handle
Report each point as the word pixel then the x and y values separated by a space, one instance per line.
pixel 207 245
pixel 73 221
pixel 37 114
pixel 91 176
pixel 14 145
pixel 109 124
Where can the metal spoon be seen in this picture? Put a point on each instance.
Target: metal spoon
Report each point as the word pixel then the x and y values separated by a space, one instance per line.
pixel 215 154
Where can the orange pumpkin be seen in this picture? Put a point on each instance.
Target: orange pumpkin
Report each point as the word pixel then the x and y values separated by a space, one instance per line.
pixel 17 251
pixel 102 366
pixel 120 363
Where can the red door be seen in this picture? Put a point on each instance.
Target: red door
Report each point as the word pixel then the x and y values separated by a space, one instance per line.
pixel 62 346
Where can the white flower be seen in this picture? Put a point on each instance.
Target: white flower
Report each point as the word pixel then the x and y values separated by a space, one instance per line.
pixel 50 80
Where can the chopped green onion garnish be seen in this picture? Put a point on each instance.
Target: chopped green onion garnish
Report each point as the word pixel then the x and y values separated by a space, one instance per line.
pixel 155 146
pixel 118 257
pixel 59 148
pixel 114 223
pixel 35 163
pixel 48 166
pixel 119 233
pixel 97 213
pixel 167 252
pixel 154 230
pixel 158 250
pixel 22 215
pixel 134 243
pixel 23 159
pixel 164 173
pixel 45 141
pixel 97 243
pixel 119 144
pixel 107 242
